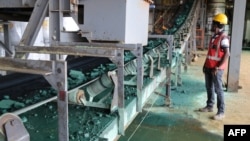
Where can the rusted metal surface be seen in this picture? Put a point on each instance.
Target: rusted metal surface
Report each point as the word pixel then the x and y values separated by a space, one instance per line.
pixel 26 66
pixel 78 51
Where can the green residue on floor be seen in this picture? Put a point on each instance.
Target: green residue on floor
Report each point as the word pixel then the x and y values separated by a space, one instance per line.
pixel 167 127
pixel 178 122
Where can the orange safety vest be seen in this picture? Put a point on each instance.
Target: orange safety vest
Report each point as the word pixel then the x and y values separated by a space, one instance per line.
pixel 215 53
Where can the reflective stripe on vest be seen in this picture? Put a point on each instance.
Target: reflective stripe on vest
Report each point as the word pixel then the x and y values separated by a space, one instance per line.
pixel 214 55
pixel 215 58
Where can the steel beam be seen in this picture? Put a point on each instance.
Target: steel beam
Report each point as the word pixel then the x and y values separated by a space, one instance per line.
pixel 59 81
pixel 236 45
pixel 121 101
pixel 7 39
pixel 26 66
pixel 34 25
pixel 139 77
pixel 70 50
pixel 170 42
pixel 55 24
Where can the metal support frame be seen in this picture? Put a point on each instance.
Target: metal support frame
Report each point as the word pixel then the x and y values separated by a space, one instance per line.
pixel 170 41
pixel 121 103
pixel 113 51
pixel 179 80
pixel 9 48
pixel 12 128
pixel 60 83
pixel 140 73
pixel 194 26
pixel 151 68
pixel 6 45
pixel 187 34
pixel 70 50
pixel 236 45
pixel 56 74
pixel 119 61
pixel 202 14
pixel 27 66
pixel 55 24
pixel 186 56
pixel 36 20
pixel 185 48
pixel 191 28
pixel 56 71
pixel 56 11
pixel 114 104
pixel 189 51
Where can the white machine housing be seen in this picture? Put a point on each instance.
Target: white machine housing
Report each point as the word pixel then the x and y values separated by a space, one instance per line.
pixel 124 21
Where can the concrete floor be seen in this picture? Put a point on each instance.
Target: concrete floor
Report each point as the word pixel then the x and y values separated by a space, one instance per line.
pixel 181 121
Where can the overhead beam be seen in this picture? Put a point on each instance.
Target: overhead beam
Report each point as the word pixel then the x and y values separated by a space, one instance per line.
pixel 26 66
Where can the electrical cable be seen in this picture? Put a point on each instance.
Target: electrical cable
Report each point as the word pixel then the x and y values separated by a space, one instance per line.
pixel 142 119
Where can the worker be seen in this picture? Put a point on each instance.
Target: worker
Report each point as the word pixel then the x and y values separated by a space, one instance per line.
pixel 214 65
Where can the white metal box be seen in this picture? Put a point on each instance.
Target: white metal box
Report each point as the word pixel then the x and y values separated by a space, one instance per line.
pixel 124 21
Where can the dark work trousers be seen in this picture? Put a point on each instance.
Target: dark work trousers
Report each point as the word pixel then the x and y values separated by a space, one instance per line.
pixel 214 85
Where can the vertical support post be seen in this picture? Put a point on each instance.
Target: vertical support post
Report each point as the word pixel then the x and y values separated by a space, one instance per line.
pixel 189 45
pixel 176 71
pixel 202 14
pixel 35 22
pixel 203 21
pixel 193 40
pixel 140 71
pixel 236 45
pixel 168 84
pixel 186 55
pixel 151 71
pixel 193 32
pixel 170 44
pixel 7 40
pixel 62 100
pixel 179 80
pixel 55 28
pixel 114 103
pixel 55 23
pixel 120 72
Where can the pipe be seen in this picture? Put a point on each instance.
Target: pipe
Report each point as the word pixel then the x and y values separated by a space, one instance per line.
pixel 18 112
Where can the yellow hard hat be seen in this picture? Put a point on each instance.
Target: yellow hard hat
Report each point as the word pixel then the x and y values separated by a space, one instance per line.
pixel 221 18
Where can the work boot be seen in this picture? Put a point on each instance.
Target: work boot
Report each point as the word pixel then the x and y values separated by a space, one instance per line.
pixel 219 116
pixel 206 109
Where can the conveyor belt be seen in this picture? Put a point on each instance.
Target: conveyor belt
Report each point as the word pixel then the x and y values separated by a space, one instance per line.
pixel 17 84
pixel 83 123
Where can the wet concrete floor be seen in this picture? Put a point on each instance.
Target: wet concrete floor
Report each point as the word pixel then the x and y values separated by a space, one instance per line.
pixel 178 122
pixel 181 121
